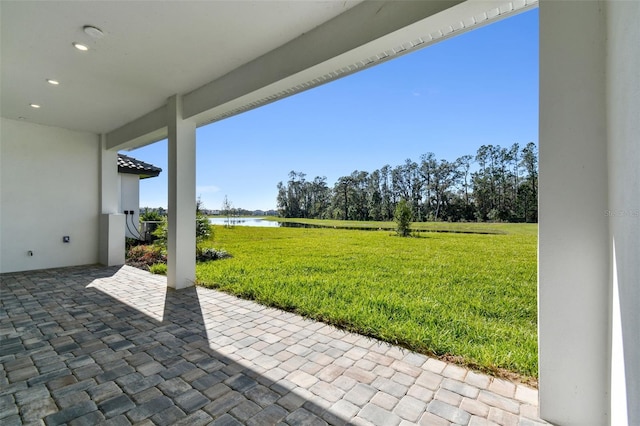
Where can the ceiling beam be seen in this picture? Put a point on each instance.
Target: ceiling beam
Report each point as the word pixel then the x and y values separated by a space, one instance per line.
pixel 369 33
pixel 356 27
pixel 147 129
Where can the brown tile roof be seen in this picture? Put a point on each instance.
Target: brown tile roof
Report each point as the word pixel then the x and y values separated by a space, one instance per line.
pixel 132 166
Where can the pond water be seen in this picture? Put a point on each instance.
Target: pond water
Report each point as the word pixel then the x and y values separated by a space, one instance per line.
pixel 244 221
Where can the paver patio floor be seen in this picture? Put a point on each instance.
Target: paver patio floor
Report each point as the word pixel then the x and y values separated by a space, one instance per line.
pixel 95 345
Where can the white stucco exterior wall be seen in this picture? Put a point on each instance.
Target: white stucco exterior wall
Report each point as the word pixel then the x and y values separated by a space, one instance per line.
pixel 623 134
pixel 130 200
pixel 49 188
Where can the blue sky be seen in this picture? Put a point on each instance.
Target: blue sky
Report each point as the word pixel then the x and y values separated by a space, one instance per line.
pixel 450 98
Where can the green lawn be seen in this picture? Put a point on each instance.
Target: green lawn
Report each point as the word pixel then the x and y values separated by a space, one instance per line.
pixel 468 297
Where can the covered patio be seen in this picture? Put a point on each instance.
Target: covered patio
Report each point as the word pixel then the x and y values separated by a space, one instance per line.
pixel 81 81
pixel 86 345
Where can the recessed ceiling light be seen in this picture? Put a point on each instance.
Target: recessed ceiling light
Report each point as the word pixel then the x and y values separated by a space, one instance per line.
pixel 93 31
pixel 81 46
pixel 54 82
pixel 34 105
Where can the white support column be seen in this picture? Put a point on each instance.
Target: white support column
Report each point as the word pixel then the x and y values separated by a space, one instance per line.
pixel 574 242
pixel 112 224
pixel 181 238
pixel 108 178
pixel 623 113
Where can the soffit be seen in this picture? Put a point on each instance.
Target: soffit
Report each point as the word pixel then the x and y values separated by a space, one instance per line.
pixel 150 51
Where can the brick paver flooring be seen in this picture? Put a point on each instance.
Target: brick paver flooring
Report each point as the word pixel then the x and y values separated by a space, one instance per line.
pixel 94 345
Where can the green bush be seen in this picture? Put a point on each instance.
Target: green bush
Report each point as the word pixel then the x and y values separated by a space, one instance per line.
pixel 144 256
pixel 158 268
pixel 150 216
pixel 209 253
pixel 203 230
pixel 153 257
pixel 402 217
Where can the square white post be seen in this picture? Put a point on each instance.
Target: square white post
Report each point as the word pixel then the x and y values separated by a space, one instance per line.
pixel 181 238
pixel 108 178
pixel 623 111
pixel 574 289
pixel 112 225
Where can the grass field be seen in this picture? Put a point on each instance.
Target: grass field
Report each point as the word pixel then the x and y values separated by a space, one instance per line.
pixel 465 297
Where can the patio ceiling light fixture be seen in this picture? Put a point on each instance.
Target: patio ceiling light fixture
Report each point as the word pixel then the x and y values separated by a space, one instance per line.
pixel 53 82
pixel 34 106
pixel 80 46
pixel 92 31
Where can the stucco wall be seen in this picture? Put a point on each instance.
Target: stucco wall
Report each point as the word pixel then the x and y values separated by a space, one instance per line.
pixel 130 200
pixel 49 188
pixel 623 124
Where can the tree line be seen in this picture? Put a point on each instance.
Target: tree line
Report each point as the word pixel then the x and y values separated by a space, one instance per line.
pixel 497 184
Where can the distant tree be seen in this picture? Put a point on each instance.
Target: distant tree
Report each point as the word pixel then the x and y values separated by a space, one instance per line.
pixel 319 198
pixel 443 181
pixel 282 200
pixel 514 159
pixel 388 198
pixel 227 209
pixel 464 166
pixel 485 183
pixel 374 196
pixel 342 196
pixel 403 218
pixel 529 200
pixel 503 187
pixel 302 198
pixel 428 165
pixel 293 197
pixel 360 195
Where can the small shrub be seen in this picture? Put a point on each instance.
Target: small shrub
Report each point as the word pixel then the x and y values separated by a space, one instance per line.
pixel 150 216
pixel 158 268
pixel 203 230
pixel 402 217
pixel 209 253
pixel 131 242
pixel 144 256
pixel 160 233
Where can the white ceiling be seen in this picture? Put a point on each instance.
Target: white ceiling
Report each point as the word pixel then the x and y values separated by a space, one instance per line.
pixel 150 51
pixel 222 57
